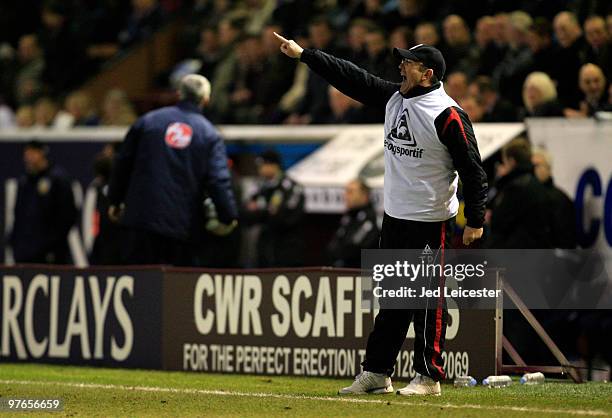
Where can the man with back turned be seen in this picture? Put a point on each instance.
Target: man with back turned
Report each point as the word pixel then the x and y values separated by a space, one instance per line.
pixel 169 159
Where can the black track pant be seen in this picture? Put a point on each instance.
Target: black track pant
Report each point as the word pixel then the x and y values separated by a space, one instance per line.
pixel 391 325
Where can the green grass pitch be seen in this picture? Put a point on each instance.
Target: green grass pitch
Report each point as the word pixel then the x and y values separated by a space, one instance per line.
pixel 120 392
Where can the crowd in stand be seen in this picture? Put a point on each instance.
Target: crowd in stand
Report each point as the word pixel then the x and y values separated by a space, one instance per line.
pixel 505 60
pixel 48 50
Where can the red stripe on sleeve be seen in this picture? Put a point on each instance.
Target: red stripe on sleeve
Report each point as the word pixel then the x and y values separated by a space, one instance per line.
pixel 455 116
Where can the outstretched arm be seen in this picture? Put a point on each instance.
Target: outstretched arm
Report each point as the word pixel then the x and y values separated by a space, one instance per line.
pixel 351 80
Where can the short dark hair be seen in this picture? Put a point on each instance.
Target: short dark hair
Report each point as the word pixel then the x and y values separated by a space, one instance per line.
pixel 270 156
pixel 321 20
pixel 541 27
pixel 519 149
pixel 363 22
pixel 36 144
pixel 485 84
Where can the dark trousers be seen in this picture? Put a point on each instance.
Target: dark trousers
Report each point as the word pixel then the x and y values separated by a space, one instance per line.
pixel 391 325
pixel 141 247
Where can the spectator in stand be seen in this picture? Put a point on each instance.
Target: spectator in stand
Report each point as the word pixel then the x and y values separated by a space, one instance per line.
pixel 511 71
pixel 356 40
pixel 98 23
pixel 79 111
pixel 346 110
pixel 45 111
pixel 401 37
pixel 44 210
pixel 474 108
pixel 490 52
pixel 63 52
pixel 358 228
pixel 500 33
pixel 458 50
pixel 31 64
pixel 407 13
pixel 371 10
pixel 278 77
pixel 380 62
pixel 7 116
pixel 426 33
pixel 496 108
pixel 592 82
pixel 79 105
pixel 117 109
pixel 208 13
pixel 568 56
pixel 208 51
pixel 230 30
pixel 291 99
pixel 24 118
pixel 562 207
pixel 540 96
pixel 245 97
pixel 599 50
pixel 456 85
pixel 314 107
pixel 520 205
pixel 145 19
pixel 259 13
pixel 539 40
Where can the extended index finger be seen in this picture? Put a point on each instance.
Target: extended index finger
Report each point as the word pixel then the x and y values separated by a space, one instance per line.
pixel 280 37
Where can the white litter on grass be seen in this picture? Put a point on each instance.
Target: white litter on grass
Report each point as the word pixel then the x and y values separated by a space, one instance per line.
pixel 342 399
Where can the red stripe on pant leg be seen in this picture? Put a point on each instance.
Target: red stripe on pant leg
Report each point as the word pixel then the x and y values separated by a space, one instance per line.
pixel 436 344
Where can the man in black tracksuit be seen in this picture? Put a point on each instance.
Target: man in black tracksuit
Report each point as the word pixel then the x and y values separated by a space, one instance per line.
pixel 429 143
pixel 168 160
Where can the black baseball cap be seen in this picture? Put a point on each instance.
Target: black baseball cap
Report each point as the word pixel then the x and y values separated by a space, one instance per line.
pixel 430 57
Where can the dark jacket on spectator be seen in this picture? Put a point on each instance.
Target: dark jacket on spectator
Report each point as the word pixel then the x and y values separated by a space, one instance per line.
pixel 521 212
pixel 601 57
pixel 316 100
pixel 490 56
pixel 603 104
pixel 567 66
pixel 563 217
pixel 510 73
pixel 280 212
pixel 358 230
pixel 503 111
pixel 161 174
pixel 545 110
pixel 44 214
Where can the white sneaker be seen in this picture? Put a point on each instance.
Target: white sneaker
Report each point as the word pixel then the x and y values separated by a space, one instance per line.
pixel 368 382
pixel 421 385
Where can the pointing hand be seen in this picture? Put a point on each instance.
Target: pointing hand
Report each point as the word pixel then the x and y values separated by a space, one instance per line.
pixel 289 47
